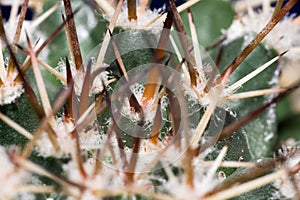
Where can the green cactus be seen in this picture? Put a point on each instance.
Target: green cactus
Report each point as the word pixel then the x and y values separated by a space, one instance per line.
pixel 111 100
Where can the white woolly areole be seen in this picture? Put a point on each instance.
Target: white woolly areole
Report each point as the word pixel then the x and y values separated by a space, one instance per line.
pixel 146 20
pixel 66 142
pixel 10 176
pixel 284 184
pixel 10 90
pixel 177 186
pixel 78 77
pixel 284 36
pixel 217 94
pixel 165 150
pixel 149 109
pixel 197 94
pixel 106 178
pixel 89 139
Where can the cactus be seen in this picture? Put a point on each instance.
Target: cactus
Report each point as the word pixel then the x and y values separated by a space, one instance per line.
pixel 111 100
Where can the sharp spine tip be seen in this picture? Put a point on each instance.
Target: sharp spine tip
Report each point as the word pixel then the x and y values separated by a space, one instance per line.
pixel 282 54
